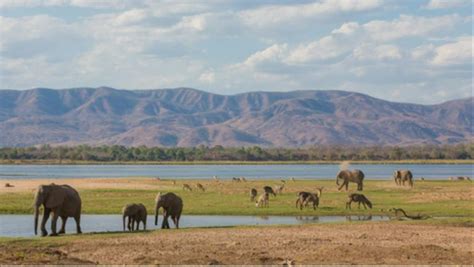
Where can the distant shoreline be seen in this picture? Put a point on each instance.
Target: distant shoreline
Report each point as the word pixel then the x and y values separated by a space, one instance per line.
pixel 82 162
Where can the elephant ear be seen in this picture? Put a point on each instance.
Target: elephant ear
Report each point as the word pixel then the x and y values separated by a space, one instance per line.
pixel 55 197
pixel 158 197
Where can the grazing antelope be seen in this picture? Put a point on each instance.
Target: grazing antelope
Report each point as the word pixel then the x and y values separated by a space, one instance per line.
pixel 200 187
pixel 262 200
pixel 313 198
pixel 187 187
pixel 359 198
pixel 293 179
pixel 235 179
pixel 282 181
pixel 174 182
pixel 279 188
pixel 253 194
pixel 269 190
pixel 304 198
pixel 242 179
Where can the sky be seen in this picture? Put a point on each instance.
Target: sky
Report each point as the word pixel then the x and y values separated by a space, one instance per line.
pixel 399 50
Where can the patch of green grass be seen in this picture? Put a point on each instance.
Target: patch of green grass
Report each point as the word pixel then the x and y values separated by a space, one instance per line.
pixel 434 198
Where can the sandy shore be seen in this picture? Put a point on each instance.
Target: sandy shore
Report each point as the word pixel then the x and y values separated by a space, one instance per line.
pixel 30 185
pixel 368 243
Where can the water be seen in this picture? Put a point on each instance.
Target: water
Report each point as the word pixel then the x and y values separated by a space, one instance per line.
pixel 313 171
pixel 23 225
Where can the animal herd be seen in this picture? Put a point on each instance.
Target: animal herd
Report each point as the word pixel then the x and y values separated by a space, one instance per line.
pixel 63 201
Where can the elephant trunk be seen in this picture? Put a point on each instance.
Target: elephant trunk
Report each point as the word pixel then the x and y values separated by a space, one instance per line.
pixel 156 214
pixel 337 179
pixel 123 219
pixel 36 219
pixel 37 204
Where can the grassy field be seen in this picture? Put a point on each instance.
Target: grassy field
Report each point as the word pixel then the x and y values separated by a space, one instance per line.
pixel 445 239
pixel 224 162
pixel 108 196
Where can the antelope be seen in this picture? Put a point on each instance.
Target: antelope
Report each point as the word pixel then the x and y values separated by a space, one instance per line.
pixel 359 198
pixel 200 187
pixel 187 187
pixel 262 200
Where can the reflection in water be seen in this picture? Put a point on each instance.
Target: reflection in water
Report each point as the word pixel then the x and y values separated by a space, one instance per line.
pixel 359 218
pixel 264 218
pixel 307 218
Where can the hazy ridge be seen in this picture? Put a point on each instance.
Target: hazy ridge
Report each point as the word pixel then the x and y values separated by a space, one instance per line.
pixel 189 117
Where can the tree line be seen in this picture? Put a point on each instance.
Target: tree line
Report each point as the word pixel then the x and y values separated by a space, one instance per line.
pixel 254 153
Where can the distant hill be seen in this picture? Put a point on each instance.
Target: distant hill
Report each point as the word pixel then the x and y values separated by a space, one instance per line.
pixel 189 117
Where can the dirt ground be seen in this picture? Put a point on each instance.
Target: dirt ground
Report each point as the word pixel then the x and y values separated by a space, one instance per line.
pixel 360 243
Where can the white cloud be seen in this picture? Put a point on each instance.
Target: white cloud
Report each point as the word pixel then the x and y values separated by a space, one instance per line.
pixel 347 28
pixel 272 15
pixel 207 77
pixel 273 54
pixel 328 47
pixel 439 4
pixel 409 26
pixel 459 52
pixel 422 52
pixel 380 52
pixel 98 4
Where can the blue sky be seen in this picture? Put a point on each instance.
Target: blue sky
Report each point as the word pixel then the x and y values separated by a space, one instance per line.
pixel 410 51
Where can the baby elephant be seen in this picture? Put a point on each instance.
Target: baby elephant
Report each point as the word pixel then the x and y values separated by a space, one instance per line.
pixel 253 194
pixel 359 198
pixel 263 200
pixel 135 213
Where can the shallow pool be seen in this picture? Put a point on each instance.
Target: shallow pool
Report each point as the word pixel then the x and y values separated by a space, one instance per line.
pixel 23 225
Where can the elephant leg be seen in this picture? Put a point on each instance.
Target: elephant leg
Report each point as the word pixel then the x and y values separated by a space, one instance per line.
pixel 63 226
pixel 44 220
pixel 359 204
pixel 365 206
pixel 78 224
pixel 138 225
pixel 129 223
pixel 175 221
pixel 347 185
pixel 164 224
pixel 54 221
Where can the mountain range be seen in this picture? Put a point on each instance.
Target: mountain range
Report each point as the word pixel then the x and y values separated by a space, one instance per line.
pixel 189 117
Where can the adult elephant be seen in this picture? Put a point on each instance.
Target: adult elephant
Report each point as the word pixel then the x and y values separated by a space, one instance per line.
pixel 402 176
pixel 172 206
pixel 60 200
pixel 355 176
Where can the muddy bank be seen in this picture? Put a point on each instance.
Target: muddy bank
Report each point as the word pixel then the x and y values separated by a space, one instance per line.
pixel 361 243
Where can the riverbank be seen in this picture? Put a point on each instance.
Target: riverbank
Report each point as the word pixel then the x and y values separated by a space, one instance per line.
pixel 349 243
pixel 226 162
pixel 224 197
